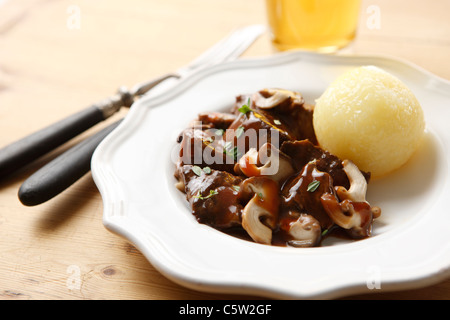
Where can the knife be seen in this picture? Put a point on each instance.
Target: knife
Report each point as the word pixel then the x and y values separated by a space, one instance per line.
pixel 66 169
pixel 63 171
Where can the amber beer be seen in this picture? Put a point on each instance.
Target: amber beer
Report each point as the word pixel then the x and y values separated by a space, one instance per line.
pixel 318 25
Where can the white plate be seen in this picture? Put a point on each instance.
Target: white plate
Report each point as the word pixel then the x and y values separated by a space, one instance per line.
pixel 410 248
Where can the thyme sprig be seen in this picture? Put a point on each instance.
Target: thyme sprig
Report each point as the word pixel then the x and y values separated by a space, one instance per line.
pixel 211 193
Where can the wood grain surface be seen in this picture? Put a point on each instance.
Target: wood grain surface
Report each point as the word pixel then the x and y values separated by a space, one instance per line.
pixel 52 66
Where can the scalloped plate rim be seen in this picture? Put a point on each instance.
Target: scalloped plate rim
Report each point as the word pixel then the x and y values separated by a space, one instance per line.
pixel 115 220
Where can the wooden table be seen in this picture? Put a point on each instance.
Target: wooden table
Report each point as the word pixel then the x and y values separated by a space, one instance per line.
pixel 52 66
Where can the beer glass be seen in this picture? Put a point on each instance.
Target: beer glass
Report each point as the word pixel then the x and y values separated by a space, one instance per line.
pixel 317 25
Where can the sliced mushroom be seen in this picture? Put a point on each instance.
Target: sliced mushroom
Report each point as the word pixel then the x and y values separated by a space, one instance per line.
pixel 358 186
pixel 268 161
pixel 349 208
pixel 354 216
pixel 260 215
pixel 275 97
pixel 305 231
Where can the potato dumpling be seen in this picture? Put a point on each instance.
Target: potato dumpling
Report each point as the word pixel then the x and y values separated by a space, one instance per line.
pixel 370 117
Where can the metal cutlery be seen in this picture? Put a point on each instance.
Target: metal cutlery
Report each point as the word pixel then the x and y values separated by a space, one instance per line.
pixel 63 171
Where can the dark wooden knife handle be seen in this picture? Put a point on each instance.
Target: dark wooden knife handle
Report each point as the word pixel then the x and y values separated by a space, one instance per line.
pixel 63 171
pixel 28 149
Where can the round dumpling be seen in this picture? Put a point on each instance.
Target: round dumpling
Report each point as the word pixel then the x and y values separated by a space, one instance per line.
pixel 370 117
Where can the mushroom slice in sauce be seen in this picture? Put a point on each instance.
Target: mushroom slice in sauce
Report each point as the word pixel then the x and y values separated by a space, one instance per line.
pixel 270 98
pixel 353 212
pixel 268 161
pixel 259 216
pixel 301 229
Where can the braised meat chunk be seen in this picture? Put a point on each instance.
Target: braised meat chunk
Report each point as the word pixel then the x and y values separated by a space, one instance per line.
pixel 275 115
pixel 259 170
pixel 302 152
pixel 204 148
pixel 303 193
pixel 218 120
pixel 213 196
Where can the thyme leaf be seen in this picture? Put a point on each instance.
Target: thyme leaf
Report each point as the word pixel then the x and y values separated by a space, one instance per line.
pixel 313 186
pixel 197 170
pixel 207 170
pixel 245 107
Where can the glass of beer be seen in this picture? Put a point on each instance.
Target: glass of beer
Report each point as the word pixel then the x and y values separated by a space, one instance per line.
pixel 317 25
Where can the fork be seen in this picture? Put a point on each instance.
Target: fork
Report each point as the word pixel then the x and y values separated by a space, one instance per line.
pixel 66 169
